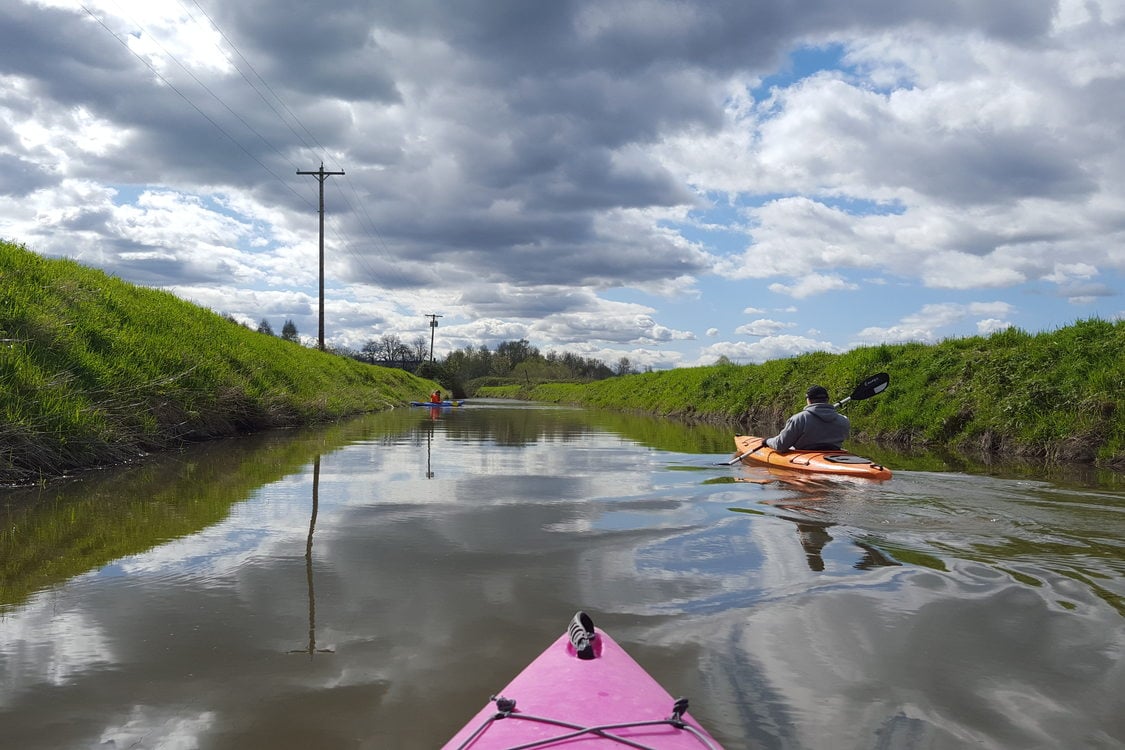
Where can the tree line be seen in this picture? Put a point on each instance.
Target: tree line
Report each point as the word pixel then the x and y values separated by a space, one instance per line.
pixel 515 361
pixel 520 361
pixel 385 350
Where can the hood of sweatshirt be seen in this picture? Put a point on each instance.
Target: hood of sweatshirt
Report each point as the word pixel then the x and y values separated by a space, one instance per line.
pixel 823 412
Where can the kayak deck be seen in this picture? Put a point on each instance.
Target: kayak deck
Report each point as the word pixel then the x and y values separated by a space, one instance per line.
pixel 437 404
pixel 584 696
pixel 754 450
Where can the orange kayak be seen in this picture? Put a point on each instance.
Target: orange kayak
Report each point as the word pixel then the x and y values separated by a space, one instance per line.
pixel 753 449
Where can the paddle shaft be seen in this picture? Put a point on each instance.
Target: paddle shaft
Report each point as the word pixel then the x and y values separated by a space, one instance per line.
pixel 736 459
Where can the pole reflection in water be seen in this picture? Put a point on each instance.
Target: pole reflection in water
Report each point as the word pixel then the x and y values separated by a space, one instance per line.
pixel 311 648
pixel 429 441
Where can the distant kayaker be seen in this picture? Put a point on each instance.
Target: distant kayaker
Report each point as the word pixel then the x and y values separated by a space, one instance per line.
pixel 816 427
pixel 435 397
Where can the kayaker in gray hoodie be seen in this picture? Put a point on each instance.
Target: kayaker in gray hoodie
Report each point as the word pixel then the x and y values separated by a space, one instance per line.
pixel 816 427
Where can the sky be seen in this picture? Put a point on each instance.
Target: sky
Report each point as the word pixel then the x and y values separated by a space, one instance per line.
pixel 671 182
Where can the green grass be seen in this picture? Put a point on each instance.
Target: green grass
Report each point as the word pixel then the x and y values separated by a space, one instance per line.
pixel 1052 396
pixel 94 370
pixel 499 391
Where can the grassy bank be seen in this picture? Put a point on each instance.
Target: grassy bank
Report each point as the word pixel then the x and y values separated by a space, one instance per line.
pixel 95 371
pixel 1051 395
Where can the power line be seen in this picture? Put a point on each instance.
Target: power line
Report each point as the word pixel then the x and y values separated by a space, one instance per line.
pixel 206 88
pixel 362 208
pixel 187 99
pixel 257 75
pixel 358 207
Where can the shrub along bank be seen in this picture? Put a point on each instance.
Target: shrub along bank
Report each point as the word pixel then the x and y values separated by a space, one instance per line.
pixel 1052 395
pixel 95 371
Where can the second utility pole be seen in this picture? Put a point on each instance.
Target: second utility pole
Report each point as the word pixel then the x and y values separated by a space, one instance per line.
pixel 433 325
pixel 321 175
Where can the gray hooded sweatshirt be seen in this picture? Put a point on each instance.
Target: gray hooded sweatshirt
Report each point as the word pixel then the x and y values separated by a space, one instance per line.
pixel 816 427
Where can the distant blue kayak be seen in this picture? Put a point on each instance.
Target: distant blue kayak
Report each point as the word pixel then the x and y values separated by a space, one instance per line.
pixel 438 404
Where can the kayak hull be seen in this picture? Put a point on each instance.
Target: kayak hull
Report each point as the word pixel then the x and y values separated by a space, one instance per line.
pixel 819 462
pixel 436 404
pixel 560 700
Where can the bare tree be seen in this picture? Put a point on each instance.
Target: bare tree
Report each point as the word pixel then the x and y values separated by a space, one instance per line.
pixel 370 351
pixel 388 348
pixel 420 348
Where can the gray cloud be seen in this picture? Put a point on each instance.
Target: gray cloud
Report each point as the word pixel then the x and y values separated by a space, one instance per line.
pixel 65 55
pixel 18 176
pixel 513 156
pixel 1005 166
pixel 327 51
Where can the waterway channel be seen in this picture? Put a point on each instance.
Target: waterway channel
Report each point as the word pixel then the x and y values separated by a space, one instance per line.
pixel 370 584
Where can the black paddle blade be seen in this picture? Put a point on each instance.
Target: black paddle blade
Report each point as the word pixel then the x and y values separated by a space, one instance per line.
pixel 873 385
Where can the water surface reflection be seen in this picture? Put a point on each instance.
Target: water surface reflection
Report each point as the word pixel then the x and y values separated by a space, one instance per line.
pixel 370 584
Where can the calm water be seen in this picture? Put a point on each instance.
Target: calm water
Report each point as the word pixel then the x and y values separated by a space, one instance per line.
pixel 371 584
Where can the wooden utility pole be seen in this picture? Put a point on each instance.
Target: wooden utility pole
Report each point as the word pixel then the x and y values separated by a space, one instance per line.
pixel 321 176
pixel 433 325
